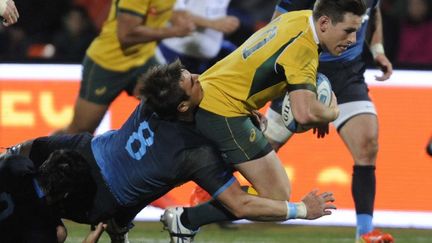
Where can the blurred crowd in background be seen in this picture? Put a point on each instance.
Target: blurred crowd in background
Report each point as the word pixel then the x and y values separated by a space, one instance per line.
pixel 59 31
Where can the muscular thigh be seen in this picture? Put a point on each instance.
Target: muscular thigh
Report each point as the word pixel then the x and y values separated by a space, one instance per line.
pixel 268 176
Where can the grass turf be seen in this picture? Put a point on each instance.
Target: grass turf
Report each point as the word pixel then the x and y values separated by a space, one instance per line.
pixel 255 232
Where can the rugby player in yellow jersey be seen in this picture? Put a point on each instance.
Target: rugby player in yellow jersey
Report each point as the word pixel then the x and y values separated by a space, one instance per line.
pixel 281 57
pixel 123 50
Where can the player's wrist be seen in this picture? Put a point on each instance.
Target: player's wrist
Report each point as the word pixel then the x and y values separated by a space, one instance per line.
pixel 296 210
pixel 335 113
pixel 377 49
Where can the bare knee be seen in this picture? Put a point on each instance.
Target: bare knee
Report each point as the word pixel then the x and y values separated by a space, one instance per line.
pixel 367 150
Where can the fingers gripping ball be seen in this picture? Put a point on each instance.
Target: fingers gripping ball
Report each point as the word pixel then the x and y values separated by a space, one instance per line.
pixel 324 95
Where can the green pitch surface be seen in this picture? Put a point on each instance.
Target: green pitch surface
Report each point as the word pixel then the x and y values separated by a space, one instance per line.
pixel 256 232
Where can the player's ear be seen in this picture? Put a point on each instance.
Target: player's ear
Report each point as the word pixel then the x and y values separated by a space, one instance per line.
pixel 323 23
pixel 183 106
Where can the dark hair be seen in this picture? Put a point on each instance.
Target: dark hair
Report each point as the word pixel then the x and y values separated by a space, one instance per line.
pixel 336 9
pixel 66 172
pixel 161 89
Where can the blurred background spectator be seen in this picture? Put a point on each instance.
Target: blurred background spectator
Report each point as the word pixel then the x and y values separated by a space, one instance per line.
pixel 415 38
pixel 198 50
pixel 407 29
pixel 253 14
pixel 96 9
pixel 71 42
pixel 14 43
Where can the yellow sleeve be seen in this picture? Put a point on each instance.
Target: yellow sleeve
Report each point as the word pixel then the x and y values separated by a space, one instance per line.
pixel 138 7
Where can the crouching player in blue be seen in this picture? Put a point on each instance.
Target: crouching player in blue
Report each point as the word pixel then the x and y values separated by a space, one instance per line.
pixel 32 196
pixel 154 152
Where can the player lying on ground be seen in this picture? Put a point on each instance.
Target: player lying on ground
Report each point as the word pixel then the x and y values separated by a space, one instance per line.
pixel 153 153
pixel 32 197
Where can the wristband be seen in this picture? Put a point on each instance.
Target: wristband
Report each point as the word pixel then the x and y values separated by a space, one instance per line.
pixel 291 210
pixel 377 49
pixel 296 210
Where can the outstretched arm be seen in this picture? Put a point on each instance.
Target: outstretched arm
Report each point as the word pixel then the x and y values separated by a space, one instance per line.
pixel 217 179
pixel 244 205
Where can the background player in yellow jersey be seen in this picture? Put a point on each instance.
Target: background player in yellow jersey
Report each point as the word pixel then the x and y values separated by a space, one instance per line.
pixel 281 57
pixel 123 50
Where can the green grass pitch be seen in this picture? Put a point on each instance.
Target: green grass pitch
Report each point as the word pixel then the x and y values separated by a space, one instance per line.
pixel 254 232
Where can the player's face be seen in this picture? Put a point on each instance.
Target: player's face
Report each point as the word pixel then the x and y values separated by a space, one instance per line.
pixel 192 87
pixel 336 38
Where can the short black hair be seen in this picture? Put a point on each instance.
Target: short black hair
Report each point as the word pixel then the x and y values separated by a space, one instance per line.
pixel 161 90
pixel 66 172
pixel 336 9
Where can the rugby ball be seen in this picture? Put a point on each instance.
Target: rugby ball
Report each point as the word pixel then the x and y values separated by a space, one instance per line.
pixel 324 95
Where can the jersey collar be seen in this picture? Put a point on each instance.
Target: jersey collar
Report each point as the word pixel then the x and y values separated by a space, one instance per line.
pixel 314 33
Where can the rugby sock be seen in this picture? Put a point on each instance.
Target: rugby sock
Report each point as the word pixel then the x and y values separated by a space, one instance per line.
pixel 206 213
pixel 209 212
pixel 363 192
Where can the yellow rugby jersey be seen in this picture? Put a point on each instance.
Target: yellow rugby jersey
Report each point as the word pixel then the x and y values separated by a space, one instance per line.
pixel 281 56
pixel 105 49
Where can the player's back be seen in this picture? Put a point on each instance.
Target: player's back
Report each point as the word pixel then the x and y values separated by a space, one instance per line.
pixel 258 70
pixel 140 161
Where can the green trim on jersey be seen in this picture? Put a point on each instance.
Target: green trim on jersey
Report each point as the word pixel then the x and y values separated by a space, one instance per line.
pixel 265 77
pixel 130 12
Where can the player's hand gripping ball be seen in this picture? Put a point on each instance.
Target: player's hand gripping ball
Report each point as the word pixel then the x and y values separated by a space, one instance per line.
pixel 324 95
